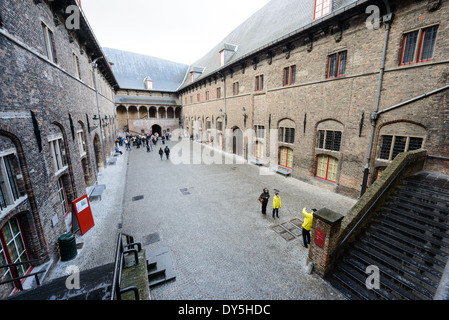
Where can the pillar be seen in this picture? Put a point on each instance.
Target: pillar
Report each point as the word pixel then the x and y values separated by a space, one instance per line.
pixel 325 231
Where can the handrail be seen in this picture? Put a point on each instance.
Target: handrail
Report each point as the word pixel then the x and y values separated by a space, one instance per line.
pixel 15 279
pixel 119 264
pixel 371 206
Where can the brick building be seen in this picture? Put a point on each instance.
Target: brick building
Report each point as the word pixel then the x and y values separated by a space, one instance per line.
pixel 51 144
pixel 147 101
pixel 304 87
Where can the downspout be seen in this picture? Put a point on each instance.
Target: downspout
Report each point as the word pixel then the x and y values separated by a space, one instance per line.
pixel 225 116
pixel 95 68
pixel 374 116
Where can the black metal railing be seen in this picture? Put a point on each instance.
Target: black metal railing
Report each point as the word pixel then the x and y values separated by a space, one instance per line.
pixel 18 279
pixel 124 249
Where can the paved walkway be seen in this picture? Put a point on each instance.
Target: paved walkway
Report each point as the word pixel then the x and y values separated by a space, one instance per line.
pixel 209 217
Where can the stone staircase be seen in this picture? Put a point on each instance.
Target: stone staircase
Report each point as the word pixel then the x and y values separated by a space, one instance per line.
pixel 408 241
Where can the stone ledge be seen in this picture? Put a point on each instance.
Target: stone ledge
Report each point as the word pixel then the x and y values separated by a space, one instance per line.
pixel 136 275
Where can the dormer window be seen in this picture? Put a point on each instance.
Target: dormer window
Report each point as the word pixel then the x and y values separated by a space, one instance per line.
pixel 148 83
pixel 222 58
pixel 226 53
pixel 322 8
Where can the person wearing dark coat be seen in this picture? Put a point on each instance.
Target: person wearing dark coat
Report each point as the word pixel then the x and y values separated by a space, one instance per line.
pixel 167 152
pixel 263 198
pixel 161 152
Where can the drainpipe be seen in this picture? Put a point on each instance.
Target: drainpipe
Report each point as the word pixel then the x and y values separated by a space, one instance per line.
pixel 95 67
pixel 374 116
pixel 225 116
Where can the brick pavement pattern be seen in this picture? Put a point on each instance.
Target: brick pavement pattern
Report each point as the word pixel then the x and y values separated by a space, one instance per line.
pixel 221 245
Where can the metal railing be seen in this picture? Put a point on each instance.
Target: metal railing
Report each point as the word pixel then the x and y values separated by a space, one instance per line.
pixel 17 279
pixel 122 250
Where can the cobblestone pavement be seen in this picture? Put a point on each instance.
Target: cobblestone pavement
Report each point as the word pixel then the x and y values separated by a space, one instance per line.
pixel 209 217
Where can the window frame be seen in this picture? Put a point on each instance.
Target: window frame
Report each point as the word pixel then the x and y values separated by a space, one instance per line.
pixel 10 190
pixel 49 43
pixel 235 88
pixel 259 82
pixel 287 159
pixel 335 165
pixel 59 158
pixel 393 145
pixel 323 143
pixel 285 135
pixel 337 69
pixel 322 13
pixel 24 269
pixel 289 76
pixel 76 62
pixel 418 45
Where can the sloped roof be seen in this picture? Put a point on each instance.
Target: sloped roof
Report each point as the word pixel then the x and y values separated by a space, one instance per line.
pixel 276 20
pixel 131 69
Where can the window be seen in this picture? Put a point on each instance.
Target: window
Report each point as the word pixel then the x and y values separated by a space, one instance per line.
pixel 49 43
pixel 286 157
pixel 10 178
pixel 81 143
pixel 192 77
pixel 322 7
pixel 57 152
pixel 259 83
pixel 287 135
pixel 259 150
pixel 207 96
pixel 419 46
pixel 198 97
pixel 289 75
pixel 329 140
pixel 219 125
pixel 13 250
pixel 259 131
pixel 148 84
pixel 76 61
pixel 63 206
pixel 222 58
pixel 337 65
pixel 327 168
pixel 219 93
pixel 392 145
pixel 235 88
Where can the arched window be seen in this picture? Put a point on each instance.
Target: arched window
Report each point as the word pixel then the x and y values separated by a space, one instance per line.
pixel 327 168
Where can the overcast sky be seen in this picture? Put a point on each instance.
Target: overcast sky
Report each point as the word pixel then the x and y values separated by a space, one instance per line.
pixel 177 30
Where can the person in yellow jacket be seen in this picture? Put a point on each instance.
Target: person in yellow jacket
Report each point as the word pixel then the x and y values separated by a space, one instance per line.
pixel 307 225
pixel 276 204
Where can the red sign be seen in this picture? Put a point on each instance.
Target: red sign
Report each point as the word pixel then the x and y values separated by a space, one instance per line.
pixel 320 236
pixel 83 214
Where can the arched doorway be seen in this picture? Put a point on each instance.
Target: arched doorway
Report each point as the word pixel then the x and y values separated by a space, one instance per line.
pixel 237 142
pixel 156 128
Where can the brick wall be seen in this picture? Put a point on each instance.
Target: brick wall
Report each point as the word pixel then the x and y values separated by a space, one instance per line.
pixel 59 99
pixel 314 100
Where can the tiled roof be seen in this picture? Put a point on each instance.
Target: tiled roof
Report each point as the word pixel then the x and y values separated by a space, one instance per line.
pixel 131 69
pixel 278 19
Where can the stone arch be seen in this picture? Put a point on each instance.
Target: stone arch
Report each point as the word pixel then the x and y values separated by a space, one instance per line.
pixel 153 112
pixel 99 162
pixel 143 112
pixel 170 113
pixel 122 117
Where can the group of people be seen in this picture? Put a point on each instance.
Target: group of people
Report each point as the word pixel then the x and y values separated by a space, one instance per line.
pixel 308 217
pixel 149 140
